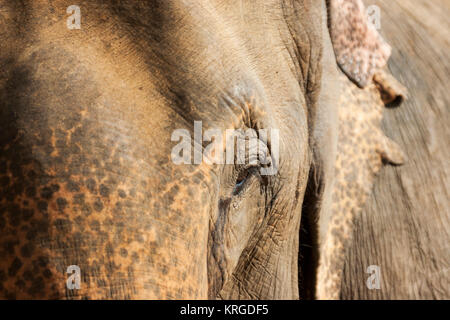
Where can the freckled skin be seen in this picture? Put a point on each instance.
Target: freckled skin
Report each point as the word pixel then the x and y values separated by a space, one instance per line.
pixel 77 203
pixel 362 149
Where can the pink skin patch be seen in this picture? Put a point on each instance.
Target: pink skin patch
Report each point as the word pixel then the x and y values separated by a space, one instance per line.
pixel 359 48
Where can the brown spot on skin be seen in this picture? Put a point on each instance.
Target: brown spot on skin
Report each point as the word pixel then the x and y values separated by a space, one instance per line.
pixel 104 191
pixel 27 250
pixel 47 193
pixel 79 198
pixel 72 186
pixel 42 206
pixel 122 193
pixel 124 252
pixel 91 185
pixel 62 204
pixel 37 286
pixel 86 209
pixel 47 273
pixel 98 205
pixel 31 191
pixel 20 284
pixel 63 225
pixel 15 267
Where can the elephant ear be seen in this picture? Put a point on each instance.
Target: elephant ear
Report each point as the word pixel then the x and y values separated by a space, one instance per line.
pixel 360 50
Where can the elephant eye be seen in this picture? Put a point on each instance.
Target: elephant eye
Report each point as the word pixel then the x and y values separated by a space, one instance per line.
pixel 244 177
pixel 250 163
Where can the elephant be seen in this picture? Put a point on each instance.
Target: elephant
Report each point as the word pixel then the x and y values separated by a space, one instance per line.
pixel 90 117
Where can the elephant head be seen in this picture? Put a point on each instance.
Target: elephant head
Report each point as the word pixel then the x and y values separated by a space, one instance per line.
pixel 91 118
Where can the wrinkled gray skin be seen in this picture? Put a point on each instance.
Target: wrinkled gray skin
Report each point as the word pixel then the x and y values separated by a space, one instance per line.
pixel 87 117
pixel 405 227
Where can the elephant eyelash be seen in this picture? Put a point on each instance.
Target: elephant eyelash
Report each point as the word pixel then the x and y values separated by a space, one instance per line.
pixel 244 177
pixel 255 160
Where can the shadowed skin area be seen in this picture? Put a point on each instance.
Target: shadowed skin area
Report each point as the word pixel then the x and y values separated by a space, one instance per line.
pixel 86 175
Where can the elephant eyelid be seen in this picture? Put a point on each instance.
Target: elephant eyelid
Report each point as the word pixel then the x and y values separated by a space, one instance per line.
pixel 244 177
pixel 256 156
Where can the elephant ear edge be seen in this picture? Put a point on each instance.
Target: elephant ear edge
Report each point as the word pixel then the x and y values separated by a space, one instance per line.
pixel 359 48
